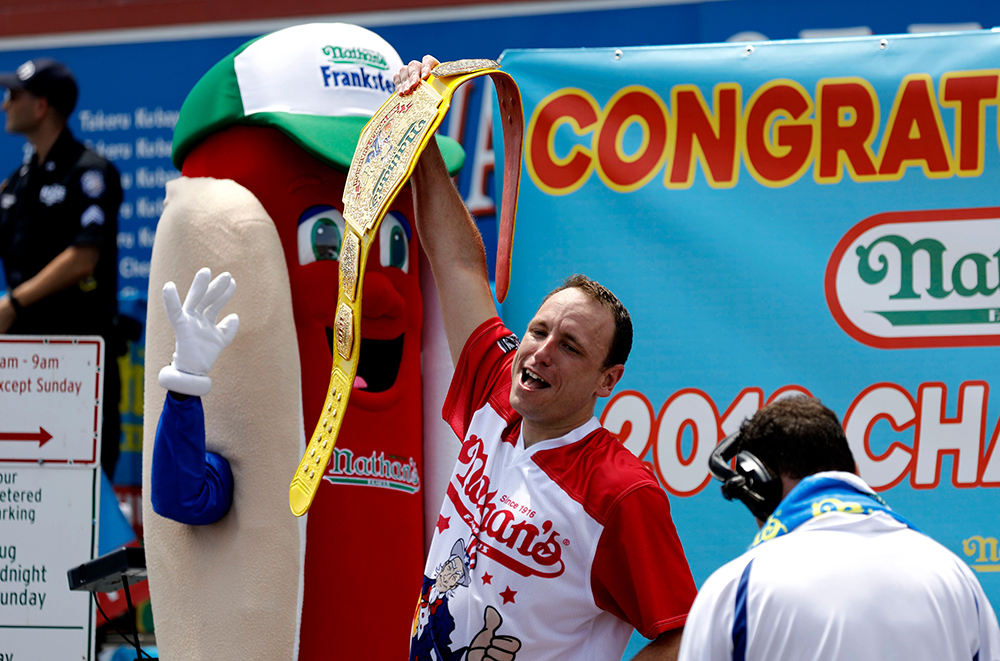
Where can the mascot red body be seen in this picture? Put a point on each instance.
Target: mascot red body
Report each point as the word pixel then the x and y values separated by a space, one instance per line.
pixel 261 118
pixel 365 528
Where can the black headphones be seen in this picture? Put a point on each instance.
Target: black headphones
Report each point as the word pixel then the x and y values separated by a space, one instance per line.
pixel 751 482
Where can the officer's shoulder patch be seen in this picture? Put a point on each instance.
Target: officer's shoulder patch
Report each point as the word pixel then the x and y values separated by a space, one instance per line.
pixel 92 183
pixel 7 200
pixel 93 215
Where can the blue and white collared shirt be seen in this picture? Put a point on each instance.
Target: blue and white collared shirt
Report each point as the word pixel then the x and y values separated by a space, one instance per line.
pixel 843 586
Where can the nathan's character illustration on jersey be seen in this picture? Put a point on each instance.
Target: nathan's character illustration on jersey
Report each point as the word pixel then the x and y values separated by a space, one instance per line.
pixel 433 623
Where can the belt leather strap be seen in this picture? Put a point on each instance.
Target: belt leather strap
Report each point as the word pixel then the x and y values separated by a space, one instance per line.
pixel 385 157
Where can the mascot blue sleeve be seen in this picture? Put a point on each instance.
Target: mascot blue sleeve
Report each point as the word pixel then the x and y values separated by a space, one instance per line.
pixel 189 485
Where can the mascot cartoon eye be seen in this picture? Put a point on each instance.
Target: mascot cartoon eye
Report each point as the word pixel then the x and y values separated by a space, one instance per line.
pixel 394 241
pixel 321 229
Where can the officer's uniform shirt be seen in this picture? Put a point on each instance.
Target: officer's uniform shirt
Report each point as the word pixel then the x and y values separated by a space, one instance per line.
pixel 71 199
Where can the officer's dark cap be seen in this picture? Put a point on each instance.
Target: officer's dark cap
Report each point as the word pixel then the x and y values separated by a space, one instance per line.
pixel 47 78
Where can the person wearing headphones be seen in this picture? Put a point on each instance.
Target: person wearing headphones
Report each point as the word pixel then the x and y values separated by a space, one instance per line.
pixel 834 573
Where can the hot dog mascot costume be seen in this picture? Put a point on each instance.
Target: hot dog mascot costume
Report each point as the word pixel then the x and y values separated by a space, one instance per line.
pixel 263 143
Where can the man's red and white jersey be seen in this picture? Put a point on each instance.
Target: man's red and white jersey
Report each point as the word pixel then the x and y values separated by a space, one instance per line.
pixel 569 543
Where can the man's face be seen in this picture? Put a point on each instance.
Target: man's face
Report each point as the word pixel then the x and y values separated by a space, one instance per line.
pixel 558 371
pixel 23 111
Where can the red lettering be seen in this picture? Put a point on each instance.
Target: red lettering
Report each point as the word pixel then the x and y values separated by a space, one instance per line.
pixel 783 109
pixel 547 553
pixel 969 94
pixel 496 523
pixel 848 120
pixel 915 135
pixel 530 533
pixel 713 136
pixel 629 172
pixel 550 172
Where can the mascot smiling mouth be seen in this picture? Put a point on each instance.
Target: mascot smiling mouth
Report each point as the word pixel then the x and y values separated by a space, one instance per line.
pixel 378 363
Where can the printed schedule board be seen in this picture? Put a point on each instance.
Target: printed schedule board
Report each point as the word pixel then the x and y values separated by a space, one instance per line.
pixel 50 421
pixel 784 217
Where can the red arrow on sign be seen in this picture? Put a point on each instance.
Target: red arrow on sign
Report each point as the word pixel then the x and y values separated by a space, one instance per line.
pixel 42 437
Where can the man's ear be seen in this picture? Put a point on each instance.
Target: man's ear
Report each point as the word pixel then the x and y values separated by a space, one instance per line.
pixel 610 379
pixel 42 107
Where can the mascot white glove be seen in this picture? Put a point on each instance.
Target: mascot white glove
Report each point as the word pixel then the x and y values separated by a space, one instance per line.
pixel 199 339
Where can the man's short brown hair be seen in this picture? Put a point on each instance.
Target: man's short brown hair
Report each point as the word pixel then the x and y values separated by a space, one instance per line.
pixel 621 341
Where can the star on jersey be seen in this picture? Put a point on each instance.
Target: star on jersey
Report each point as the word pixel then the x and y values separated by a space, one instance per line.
pixel 487 578
pixel 443 523
pixel 508 595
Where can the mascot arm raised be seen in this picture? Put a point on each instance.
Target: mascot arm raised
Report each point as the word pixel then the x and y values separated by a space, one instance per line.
pixel 190 485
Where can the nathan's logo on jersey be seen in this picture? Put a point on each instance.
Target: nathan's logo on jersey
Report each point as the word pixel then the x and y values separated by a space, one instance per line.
pixel 508 344
pixel 499 531
pixel 365 56
pixel 52 194
pixel 919 279
pixel 376 470
pixel 982 552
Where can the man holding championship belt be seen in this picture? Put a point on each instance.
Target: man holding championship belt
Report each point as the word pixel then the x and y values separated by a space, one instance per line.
pixel 553 540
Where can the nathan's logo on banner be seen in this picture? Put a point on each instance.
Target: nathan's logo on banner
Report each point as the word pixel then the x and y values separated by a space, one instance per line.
pixel 919 279
pixel 503 529
pixel 362 56
pixel 377 470
pixel 982 553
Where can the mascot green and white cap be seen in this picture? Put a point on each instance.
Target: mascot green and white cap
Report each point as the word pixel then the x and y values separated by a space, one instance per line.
pixel 344 77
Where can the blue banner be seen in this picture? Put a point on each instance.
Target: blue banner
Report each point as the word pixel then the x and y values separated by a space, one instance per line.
pixel 132 84
pixel 780 217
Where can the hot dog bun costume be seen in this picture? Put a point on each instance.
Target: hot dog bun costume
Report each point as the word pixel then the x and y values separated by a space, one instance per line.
pixel 263 142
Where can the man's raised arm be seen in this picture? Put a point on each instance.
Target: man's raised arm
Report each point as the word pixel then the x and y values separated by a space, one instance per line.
pixel 448 235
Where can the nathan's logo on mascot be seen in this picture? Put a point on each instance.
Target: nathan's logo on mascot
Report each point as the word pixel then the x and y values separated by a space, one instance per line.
pixel 983 553
pixel 363 56
pixel 376 470
pixel 361 62
pixel 919 279
pixel 501 528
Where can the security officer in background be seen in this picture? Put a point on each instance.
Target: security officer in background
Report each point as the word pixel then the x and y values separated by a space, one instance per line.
pixel 58 228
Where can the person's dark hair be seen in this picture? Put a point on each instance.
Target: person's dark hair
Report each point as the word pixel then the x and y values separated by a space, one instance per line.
pixel 797 437
pixel 621 341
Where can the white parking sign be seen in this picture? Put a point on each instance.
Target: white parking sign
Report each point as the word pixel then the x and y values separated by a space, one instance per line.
pixel 50 448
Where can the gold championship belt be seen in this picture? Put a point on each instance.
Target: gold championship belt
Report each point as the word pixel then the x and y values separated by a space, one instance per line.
pixel 386 156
